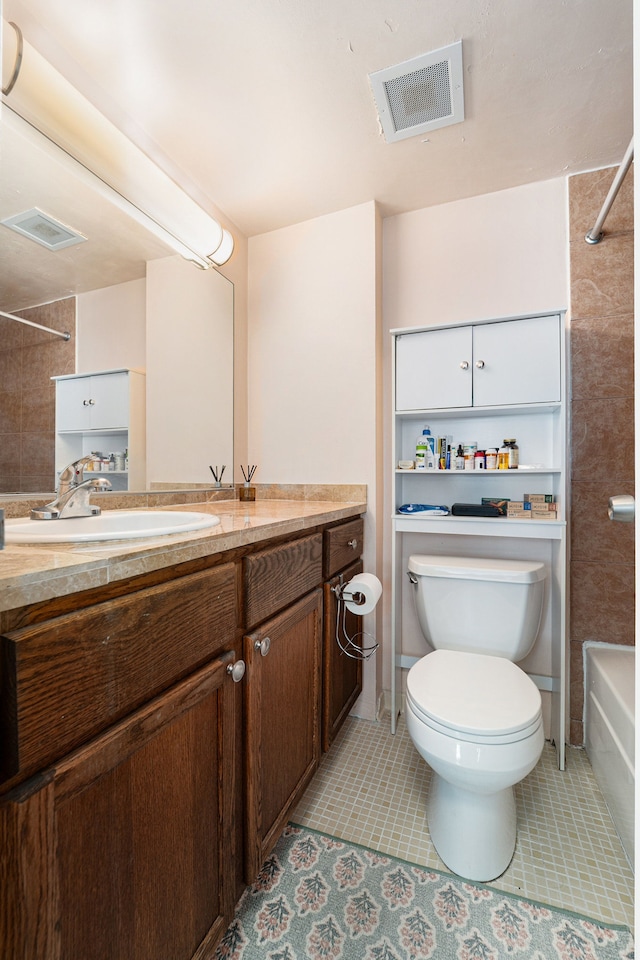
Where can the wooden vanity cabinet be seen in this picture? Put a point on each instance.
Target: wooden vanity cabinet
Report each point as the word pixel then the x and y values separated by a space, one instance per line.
pixel 140 787
pixel 282 698
pixel 128 841
pixel 341 673
pixel 282 687
pixel 129 846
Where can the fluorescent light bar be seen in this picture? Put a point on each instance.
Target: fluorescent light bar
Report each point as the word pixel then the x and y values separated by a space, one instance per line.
pixel 125 174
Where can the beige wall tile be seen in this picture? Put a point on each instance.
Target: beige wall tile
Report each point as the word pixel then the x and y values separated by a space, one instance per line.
pixel 602 277
pixel 602 445
pixel 602 357
pixel 593 536
pixel 602 602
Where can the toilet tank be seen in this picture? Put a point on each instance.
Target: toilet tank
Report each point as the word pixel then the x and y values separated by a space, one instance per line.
pixel 478 605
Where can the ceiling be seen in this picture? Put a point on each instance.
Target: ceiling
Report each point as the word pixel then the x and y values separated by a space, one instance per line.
pixel 263 108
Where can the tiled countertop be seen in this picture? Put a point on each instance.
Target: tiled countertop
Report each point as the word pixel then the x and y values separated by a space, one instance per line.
pixel 30 573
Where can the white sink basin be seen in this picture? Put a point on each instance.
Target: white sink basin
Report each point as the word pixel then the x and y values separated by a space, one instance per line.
pixel 110 525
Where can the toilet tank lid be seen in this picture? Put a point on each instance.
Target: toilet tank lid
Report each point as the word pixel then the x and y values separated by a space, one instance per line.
pixel 477 568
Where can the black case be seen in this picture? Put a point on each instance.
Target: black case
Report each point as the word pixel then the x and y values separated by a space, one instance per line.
pixel 475 510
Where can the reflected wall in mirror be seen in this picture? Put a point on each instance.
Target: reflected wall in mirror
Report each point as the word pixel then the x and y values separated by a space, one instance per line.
pixel 136 307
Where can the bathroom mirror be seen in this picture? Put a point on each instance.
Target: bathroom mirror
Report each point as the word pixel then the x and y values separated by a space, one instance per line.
pixel 188 357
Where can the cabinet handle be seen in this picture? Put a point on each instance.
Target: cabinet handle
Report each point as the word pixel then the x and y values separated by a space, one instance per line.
pixel 464 365
pixel 263 646
pixel 479 364
pixel 236 670
pixel 352 543
pixel 88 403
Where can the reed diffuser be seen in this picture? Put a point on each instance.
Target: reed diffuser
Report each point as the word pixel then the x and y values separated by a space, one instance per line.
pixel 247 492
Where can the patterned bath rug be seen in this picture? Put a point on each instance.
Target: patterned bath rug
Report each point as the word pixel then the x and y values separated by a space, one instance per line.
pixel 319 898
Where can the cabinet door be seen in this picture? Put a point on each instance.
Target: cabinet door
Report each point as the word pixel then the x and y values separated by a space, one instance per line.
pixel 282 714
pixel 516 361
pixel 128 847
pixel 433 369
pixel 341 671
pixel 73 410
pixel 93 403
pixel 110 410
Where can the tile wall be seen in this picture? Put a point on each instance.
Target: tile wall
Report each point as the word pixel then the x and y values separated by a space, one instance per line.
pixel 602 445
pixel 28 359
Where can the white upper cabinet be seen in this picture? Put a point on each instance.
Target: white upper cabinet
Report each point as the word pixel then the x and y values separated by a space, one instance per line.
pixel 99 402
pixel 482 365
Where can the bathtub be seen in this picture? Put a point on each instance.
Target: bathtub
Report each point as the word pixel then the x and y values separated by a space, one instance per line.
pixel 609 731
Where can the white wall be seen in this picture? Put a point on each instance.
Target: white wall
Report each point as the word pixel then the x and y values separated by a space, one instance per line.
pixel 189 372
pixel 498 255
pixel 312 354
pixel 111 328
pixel 501 254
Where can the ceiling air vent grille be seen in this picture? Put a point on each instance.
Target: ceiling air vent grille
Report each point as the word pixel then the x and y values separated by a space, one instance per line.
pixel 43 229
pixel 420 94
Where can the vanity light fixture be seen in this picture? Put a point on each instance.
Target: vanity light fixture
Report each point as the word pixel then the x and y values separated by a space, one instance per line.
pixel 34 91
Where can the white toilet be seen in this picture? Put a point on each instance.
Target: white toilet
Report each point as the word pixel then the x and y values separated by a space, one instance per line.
pixel 473 715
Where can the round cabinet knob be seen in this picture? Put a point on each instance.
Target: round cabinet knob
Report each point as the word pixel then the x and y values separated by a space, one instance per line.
pixel 263 646
pixel 479 364
pixel 464 365
pixel 352 543
pixel 236 670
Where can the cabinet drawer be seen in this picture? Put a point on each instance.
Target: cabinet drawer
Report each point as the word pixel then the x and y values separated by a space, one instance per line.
pixel 65 680
pixel 342 545
pixel 275 577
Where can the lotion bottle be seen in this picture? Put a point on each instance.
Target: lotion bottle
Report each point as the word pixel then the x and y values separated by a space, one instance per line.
pixel 422 446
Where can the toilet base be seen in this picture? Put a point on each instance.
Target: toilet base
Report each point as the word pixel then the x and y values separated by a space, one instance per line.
pixel 474 834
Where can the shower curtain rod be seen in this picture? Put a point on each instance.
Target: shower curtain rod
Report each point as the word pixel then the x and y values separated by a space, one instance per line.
pixel 30 323
pixel 596 234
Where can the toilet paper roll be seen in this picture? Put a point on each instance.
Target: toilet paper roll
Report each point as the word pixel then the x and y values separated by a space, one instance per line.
pixel 369 589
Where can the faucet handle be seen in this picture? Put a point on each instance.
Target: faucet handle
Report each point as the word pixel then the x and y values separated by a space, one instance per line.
pixel 73 473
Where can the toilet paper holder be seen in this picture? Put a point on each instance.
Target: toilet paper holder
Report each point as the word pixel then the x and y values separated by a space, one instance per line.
pixel 349 645
pixel 342 593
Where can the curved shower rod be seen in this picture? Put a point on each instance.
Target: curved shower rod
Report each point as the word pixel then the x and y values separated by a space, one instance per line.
pixel 596 233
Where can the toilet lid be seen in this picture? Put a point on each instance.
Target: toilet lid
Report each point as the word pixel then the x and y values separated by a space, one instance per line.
pixel 475 694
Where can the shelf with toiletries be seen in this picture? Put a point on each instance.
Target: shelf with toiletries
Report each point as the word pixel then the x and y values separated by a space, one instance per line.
pixel 482 389
pixel 103 411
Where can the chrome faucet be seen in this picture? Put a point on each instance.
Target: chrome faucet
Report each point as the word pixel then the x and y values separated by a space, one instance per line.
pixel 73 493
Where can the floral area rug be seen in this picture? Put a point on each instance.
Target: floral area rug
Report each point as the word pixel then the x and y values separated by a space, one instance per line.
pixel 319 898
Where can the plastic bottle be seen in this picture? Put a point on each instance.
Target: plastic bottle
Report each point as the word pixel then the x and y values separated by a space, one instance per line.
pixel 514 454
pixel 459 462
pixel 491 456
pixel 422 447
pixel 503 457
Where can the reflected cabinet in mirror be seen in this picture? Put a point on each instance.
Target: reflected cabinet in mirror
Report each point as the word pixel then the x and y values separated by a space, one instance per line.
pixel 128 302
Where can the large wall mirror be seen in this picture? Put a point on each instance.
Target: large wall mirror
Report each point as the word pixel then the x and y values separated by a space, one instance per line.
pixel 128 302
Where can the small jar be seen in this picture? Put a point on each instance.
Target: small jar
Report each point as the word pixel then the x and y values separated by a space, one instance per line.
pixel 491 458
pixel 514 454
pixel 478 460
pixel 469 453
pixel 503 457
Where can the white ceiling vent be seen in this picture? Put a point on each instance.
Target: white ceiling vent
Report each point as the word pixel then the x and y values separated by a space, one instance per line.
pixel 421 94
pixel 43 229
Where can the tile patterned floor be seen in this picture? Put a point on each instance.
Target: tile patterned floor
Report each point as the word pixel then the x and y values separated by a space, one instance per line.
pixel 371 789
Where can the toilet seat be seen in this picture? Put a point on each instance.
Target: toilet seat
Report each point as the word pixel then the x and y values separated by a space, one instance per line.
pixel 473 697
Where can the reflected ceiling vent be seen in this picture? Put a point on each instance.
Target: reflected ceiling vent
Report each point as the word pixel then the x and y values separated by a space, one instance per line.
pixel 421 94
pixel 43 229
